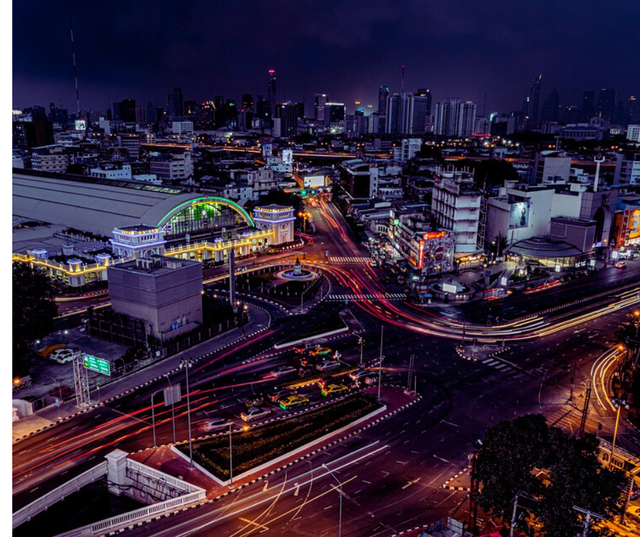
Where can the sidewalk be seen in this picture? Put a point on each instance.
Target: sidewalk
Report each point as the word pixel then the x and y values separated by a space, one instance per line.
pixel 167 461
pixel 48 416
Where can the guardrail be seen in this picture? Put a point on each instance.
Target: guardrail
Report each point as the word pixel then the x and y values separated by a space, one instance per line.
pixel 60 493
pixel 134 517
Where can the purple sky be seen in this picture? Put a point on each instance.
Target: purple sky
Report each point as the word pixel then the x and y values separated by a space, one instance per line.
pixel 141 49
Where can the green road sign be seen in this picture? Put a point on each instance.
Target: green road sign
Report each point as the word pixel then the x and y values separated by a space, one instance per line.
pixel 99 365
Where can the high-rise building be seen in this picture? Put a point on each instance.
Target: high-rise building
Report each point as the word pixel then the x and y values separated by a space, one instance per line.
pixel 534 100
pixel 175 105
pixel 128 110
pixel 420 103
pixel 152 112
pixel 607 103
pixel 446 117
pixel 300 108
pixel 550 107
pixel 247 102
pixel 334 112
pixel 320 102
pixel 271 91
pixel 588 111
pixel 287 113
pixel 466 119
pixel 633 109
pixel 383 94
pixel 407 113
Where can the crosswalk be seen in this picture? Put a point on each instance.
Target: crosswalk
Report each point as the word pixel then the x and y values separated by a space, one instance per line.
pixel 367 296
pixel 496 364
pixel 343 260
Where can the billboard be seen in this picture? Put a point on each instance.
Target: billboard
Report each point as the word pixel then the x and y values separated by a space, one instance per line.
pixel 81 124
pixel 519 214
pixel 633 226
pixel 287 156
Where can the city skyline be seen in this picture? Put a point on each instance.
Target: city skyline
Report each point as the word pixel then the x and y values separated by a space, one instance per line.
pixel 344 50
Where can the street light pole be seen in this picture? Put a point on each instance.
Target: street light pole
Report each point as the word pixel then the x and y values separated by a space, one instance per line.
pixel 380 364
pixel 361 351
pixel 173 413
pixel 340 485
pixel 230 457
pixel 186 363
pixel 153 420
pixel 618 403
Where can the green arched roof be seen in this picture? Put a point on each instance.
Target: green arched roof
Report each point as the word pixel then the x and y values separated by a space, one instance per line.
pixel 206 199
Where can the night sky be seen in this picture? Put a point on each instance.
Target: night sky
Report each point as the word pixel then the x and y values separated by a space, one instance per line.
pixel 140 49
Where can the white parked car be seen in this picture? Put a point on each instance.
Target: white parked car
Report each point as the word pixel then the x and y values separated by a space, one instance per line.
pixel 62 356
pixel 328 365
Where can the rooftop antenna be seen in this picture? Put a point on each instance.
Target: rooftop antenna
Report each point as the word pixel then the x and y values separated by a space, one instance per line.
pixel 484 106
pixel 402 87
pixel 75 67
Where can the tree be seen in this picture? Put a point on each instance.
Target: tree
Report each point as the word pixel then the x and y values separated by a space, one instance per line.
pixel 498 246
pixel 512 449
pixel 33 311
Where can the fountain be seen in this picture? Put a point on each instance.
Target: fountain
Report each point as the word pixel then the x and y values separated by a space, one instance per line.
pixel 298 273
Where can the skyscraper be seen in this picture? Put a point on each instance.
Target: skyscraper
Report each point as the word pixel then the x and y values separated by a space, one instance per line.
pixel 320 103
pixel 271 91
pixel 446 117
pixel 550 107
pixel 175 106
pixel 288 115
pixel 534 100
pixel 466 119
pixel 383 94
pixel 588 111
pixel 607 104
pixel 247 102
pixel 392 114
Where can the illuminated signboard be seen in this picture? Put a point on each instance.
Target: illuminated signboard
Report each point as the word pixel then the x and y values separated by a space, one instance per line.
pixel 99 365
pixel 519 214
pixel 434 235
pixel 634 224
pixel 287 156
pixel 81 124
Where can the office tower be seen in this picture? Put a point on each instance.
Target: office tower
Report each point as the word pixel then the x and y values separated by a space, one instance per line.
pixel 128 110
pixel 466 119
pixel 334 112
pixel 393 115
pixel 261 108
pixel 550 107
pixel 588 111
pixel 230 113
pixel 115 110
pixel 191 109
pixel 534 100
pixel 271 92
pixel 383 94
pixel 320 102
pixel 206 115
pixel 420 110
pixel 152 112
pixel 423 92
pixel 175 105
pixel 218 102
pixel 247 102
pixel 633 109
pixel 619 117
pixel 607 104
pixel 287 113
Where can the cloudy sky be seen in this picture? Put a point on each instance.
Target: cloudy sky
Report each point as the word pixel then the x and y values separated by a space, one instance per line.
pixel 457 48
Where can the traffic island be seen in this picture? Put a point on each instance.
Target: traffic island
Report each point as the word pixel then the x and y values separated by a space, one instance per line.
pixel 256 448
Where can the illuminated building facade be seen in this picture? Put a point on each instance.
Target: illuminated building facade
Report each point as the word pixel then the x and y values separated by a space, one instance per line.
pixel 427 251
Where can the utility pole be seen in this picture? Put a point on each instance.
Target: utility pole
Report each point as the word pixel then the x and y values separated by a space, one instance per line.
pixel 513 514
pixel 573 376
pixel 380 364
pixel 585 409
pixel 473 495
pixel 411 361
pixel 587 519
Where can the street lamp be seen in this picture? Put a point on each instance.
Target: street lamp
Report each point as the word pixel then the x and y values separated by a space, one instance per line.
pixel 618 403
pixel 173 412
pixel 230 456
pixel 186 363
pixel 361 341
pixel 153 418
pixel 340 485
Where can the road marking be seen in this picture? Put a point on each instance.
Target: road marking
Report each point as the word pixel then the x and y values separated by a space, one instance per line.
pixel 440 458
pixel 266 485
pixel 261 526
